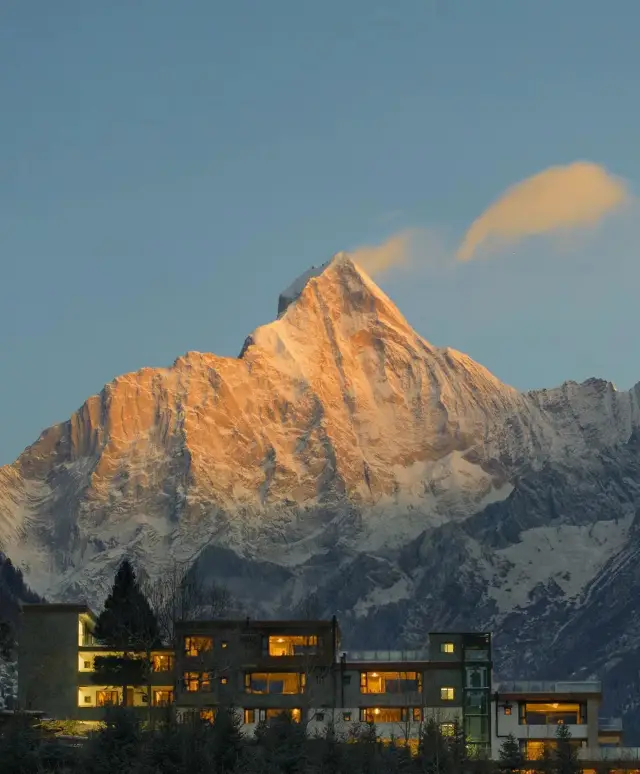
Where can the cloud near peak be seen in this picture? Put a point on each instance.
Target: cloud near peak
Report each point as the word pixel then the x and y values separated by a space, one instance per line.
pixel 375 259
pixel 556 199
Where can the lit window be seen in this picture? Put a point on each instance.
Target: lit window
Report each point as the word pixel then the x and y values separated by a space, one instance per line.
pixel 274 682
pixel 162 662
pixel 194 646
pixel 208 715
pixel 389 714
pixel 107 698
pixel 447 694
pixel 390 682
pixel 293 645
pixel 197 681
pixel 417 714
pixel 249 716
pixel 162 697
pixel 277 712
pixel 447 729
pixel 346 716
pixel 552 714
pixel 447 647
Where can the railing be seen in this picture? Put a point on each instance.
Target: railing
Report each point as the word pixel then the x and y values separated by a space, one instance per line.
pixel 610 724
pixel 621 754
pixel 546 686
pixel 388 655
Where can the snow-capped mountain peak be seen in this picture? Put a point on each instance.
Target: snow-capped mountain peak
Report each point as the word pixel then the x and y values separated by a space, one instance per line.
pixel 343 456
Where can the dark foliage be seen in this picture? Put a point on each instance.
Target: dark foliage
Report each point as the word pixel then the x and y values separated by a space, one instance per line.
pixel 127 621
pixel 13 591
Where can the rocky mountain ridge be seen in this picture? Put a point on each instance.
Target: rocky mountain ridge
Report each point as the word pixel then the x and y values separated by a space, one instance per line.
pixel 343 461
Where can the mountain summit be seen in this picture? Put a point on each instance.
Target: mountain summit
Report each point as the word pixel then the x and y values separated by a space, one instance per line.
pixel 343 458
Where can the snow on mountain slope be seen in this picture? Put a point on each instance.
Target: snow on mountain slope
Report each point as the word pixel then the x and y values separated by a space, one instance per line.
pixel 340 456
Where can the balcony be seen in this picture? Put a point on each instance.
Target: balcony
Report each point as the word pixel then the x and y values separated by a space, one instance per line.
pixel 387 655
pixel 610 724
pixel 613 754
pixel 545 686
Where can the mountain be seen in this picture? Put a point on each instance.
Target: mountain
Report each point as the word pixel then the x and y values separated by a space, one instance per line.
pixel 343 464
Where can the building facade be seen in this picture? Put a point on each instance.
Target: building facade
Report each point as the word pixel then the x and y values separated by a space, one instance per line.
pixel 265 668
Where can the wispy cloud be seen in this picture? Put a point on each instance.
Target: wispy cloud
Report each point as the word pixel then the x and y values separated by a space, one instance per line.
pixel 394 252
pixel 557 199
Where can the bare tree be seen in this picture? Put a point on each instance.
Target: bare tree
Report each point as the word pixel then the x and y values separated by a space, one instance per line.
pixel 180 594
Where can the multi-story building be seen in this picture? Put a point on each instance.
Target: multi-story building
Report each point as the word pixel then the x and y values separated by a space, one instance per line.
pixel 265 668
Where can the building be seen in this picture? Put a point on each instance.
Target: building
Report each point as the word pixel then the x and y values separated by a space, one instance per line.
pixel 265 668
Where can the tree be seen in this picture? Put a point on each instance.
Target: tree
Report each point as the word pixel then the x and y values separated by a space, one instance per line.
pixel 7 641
pixel 127 624
pixel 179 594
pixel 127 621
pixel 510 756
pixel 227 741
pixel 117 747
pixel 565 755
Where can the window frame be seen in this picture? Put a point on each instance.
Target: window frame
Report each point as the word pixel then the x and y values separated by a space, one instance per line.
pixel 444 693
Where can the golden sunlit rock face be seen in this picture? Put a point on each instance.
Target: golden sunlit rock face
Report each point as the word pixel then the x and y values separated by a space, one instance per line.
pixel 329 400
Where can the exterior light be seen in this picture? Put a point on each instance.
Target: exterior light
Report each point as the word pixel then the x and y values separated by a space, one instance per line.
pixel 507 708
pixel 280 639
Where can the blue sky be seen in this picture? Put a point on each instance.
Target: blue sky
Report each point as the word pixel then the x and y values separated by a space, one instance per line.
pixel 167 168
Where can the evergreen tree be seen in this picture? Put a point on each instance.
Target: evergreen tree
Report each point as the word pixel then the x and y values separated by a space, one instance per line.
pixel 127 623
pixel 511 757
pixel 565 756
pixel 227 741
pixel 116 748
pixel 283 745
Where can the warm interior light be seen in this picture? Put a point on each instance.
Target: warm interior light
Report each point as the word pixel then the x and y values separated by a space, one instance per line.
pixel 376 711
pixel 374 674
pixel 280 639
pixel 555 706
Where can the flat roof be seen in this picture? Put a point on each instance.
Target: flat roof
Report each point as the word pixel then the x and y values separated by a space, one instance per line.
pixel 56 607
pixel 250 623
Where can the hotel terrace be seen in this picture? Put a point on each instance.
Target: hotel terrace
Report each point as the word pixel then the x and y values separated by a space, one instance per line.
pixel 266 668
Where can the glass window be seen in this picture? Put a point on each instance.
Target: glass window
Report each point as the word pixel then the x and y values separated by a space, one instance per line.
pixel 197 681
pixel 278 712
pixel 447 647
pixel 447 694
pixel 552 713
pixel 447 729
pixel 476 729
pixel 346 716
pixel 293 645
pixel 208 714
pixel 275 682
pixel 162 662
pixel 107 698
pixel 194 646
pixel 476 702
pixel 390 682
pixel 477 677
pixel 162 697
pixel 249 716
pixel 390 714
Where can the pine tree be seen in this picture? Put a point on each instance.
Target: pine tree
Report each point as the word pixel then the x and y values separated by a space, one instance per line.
pixel 565 755
pixel 511 757
pixel 227 741
pixel 127 623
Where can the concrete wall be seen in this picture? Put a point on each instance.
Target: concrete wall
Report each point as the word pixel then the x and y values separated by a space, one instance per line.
pixel 48 662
